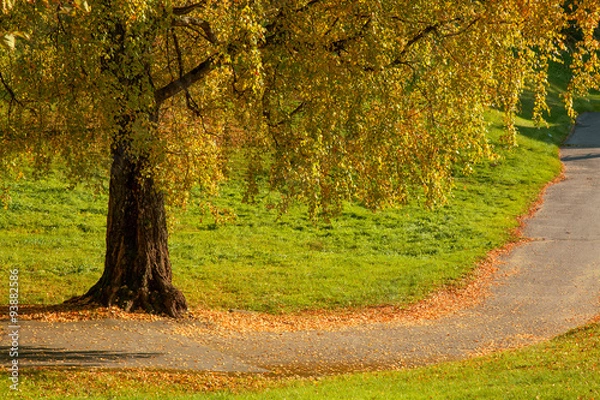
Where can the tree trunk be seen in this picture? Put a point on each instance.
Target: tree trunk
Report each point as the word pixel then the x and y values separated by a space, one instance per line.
pixel 137 270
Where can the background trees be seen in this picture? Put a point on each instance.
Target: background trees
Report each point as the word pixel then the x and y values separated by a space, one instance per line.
pixel 371 101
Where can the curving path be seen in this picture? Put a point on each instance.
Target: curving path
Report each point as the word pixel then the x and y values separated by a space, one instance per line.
pixel 543 288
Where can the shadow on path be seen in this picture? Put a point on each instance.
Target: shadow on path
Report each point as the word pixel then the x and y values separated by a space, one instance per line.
pixel 579 157
pixel 29 355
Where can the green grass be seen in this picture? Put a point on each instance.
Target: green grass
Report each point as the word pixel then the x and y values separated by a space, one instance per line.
pixel 55 237
pixel 564 368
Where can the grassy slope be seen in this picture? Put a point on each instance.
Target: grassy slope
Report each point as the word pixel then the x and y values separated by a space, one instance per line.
pixel 55 236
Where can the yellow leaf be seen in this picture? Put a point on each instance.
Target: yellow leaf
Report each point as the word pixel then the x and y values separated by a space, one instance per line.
pixel 9 41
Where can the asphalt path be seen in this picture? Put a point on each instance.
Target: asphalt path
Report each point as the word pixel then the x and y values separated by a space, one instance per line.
pixel 543 288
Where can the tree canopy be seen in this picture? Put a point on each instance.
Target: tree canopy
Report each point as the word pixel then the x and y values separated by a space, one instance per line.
pixel 335 100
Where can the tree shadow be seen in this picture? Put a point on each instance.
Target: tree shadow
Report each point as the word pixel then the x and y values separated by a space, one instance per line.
pixel 580 157
pixel 47 356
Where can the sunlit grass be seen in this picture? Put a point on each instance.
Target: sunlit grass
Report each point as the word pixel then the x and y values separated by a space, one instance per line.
pixel 55 237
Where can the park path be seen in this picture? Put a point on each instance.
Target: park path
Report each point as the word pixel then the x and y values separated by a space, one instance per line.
pixel 543 287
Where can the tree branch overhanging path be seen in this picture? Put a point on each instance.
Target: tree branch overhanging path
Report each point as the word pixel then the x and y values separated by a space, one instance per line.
pixel 542 288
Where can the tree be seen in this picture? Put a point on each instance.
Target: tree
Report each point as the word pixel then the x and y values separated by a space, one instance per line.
pixel 373 101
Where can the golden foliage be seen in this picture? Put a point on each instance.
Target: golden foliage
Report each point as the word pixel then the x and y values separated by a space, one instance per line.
pixel 376 101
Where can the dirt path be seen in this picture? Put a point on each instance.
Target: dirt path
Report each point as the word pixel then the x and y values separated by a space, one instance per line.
pixel 542 288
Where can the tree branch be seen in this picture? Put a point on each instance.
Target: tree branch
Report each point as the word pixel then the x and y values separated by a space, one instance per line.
pixel 11 93
pixel 339 45
pixel 463 30
pixel 188 9
pixel 271 28
pixel 185 81
pixel 288 117
pixel 418 37
pixel 191 22
pixel 179 58
pixel 434 28
pixel 307 5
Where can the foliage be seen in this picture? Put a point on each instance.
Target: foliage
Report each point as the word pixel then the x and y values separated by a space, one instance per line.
pixel 327 101
pixel 260 262
pixel 367 100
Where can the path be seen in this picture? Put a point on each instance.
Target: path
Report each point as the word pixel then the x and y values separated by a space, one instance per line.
pixel 543 288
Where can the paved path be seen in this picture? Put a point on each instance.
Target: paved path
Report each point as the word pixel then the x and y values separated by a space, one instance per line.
pixel 543 288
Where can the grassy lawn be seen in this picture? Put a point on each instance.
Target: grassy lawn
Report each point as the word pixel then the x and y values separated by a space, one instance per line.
pixel 564 368
pixel 55 236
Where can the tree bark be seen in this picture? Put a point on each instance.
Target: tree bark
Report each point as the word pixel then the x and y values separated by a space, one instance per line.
pixel 137 271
